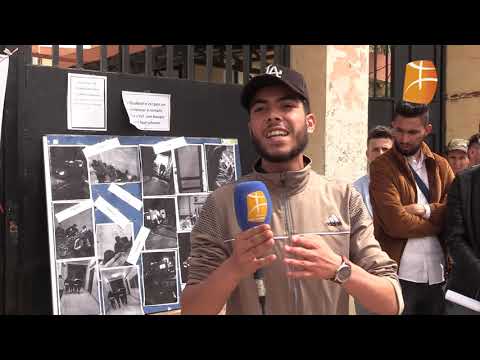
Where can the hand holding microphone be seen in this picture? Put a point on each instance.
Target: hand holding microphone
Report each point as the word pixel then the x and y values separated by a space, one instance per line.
pixel 250 249
pixel 253 209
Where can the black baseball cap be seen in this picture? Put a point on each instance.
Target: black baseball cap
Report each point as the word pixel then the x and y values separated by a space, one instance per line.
pixel 274 75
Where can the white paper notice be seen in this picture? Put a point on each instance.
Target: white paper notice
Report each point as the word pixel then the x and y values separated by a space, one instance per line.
pixel 86 102
pixel 125 196
pixel 4 60
pixel 73 210
pixel 462 300
pixel 148 111
pixel 101 147
pixel 163 146
pixel 138 244
pixel 110 211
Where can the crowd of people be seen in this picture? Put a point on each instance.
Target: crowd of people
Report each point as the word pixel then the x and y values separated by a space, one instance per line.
pixel 156 217
pixel 106 173
pixel 74 243
pixel 70 285
pixel 409 218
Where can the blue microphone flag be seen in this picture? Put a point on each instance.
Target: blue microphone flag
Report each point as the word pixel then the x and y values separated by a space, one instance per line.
pixel 253 204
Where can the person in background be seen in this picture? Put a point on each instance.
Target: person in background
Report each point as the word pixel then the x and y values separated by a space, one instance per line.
pixel 457 155
pixel 462 237
pixel 379 141
pixel 474 149
pixel 61 285
pixel 408 191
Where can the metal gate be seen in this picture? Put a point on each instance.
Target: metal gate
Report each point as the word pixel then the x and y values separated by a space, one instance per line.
pixel 36 103
pixel 387 71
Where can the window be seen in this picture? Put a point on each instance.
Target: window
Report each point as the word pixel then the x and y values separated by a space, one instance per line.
pixel 380 71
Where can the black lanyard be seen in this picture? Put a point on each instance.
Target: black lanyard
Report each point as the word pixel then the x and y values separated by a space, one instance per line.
pixel 421 184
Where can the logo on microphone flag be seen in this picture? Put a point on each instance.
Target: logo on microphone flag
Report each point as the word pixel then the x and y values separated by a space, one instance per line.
pixel 420 82
pixel 257 207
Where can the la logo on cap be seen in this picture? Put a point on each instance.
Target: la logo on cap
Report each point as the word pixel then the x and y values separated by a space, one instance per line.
pixel 273 70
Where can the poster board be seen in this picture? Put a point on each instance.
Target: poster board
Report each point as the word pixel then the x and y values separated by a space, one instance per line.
pixel 105 193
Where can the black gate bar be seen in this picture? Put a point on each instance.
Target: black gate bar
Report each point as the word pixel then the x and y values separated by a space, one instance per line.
pixel 55 54
pixel 209 55
pixel 170 55
pixel 103 58
pixel 148 60
pixel 125 58
pixel 263 58
pixel 190 62
pixel 228 64
pixel 79 56
pixel 246 63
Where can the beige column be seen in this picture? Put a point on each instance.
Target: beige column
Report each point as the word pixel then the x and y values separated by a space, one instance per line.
pixel 337 78
pixel 311 62
pixel 463 91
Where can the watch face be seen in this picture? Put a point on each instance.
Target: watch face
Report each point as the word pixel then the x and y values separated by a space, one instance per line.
pixel 344 273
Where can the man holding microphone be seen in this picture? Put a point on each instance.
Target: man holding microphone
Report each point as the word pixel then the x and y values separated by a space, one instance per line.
pixel 319 246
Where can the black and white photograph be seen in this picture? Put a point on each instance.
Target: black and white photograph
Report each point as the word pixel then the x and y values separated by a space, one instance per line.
pixel 78 290
pixel 114 244
pixel 74 236
pixel 121 291
pixel 160 277
pixel 68 173
pixel 160 217
pixel 157 171
pixel 189 208
pixel 184 252
pixel 220 165
pixel 189 166
pixel 118 165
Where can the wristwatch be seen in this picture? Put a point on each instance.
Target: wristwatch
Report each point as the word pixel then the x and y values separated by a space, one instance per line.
pixel 343 272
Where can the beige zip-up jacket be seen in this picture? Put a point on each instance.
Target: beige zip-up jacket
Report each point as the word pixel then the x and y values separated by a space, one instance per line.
pixel 303 202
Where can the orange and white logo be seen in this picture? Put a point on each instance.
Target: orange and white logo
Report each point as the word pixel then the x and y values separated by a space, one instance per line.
pixel 420 82
pixel 257 206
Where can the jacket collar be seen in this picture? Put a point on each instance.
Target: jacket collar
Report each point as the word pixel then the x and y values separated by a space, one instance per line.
pixel 430 164
pixel 401 159
pixel 290 181
pixel 411 160
pixel 427 153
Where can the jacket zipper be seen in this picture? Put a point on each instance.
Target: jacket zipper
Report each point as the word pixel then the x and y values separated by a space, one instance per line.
pixel 292 283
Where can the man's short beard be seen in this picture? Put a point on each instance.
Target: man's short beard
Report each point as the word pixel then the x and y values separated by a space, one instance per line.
pixel 302 142
pixel 407 153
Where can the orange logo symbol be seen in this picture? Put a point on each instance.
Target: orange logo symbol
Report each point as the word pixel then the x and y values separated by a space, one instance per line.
pixel 257 206
pixel 420 82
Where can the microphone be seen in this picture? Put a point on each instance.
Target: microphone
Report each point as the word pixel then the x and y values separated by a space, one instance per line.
pixel 253 207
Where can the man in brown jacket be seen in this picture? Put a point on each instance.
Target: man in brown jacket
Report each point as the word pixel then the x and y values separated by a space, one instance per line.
pixel 319 246
pixel 408 189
